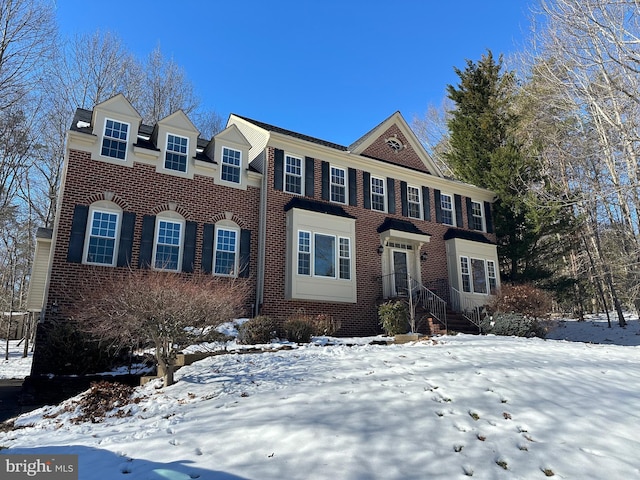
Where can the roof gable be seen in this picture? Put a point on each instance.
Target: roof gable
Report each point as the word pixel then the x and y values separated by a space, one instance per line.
pixel 409 152
pixel 119 106
pixel 178 120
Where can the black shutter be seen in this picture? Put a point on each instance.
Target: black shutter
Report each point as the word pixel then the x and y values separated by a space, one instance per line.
pixel 487 217
pixel 353 188
pixel 458 200
pixel 245 253
pixel 403 199
pixel 324 167
pixel 436 200
pixel 366 189
pixel 126 239
pixel 207 247
pixel 146 241
pixel 189 252
pixel 426 201
pixel 278 169
pixel 78 231
pixel 309 176
pixel 391 195
pixel 469 214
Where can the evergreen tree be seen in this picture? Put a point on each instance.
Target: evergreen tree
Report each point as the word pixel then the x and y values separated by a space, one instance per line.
pixel 485 151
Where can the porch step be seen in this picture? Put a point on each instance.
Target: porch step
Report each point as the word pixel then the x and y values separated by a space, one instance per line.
pixel 456 322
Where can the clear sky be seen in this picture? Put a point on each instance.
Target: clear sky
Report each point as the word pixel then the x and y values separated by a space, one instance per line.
pixel 331 69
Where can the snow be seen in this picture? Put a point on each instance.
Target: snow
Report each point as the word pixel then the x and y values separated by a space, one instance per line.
pixel 449 407
pixel 16 367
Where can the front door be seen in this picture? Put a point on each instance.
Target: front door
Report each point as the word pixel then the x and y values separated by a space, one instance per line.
pixel 400 272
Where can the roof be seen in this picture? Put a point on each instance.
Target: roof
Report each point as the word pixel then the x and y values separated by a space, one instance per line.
pixel 315 206
pixel 45 233
pixel 282 131
pixel 466 235
pixel 400 225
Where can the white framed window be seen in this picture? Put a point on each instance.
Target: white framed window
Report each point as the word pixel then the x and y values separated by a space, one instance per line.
pixel 446 206
pixel 477 220
pixel 338 185
pixel 304 253
pixel 414 205
pixel 478 275
pixel 102 237
pixel 293 174
pixel 225 258
pixel 114 140
pixel 176 153
pixel 344 254
pixel 324 255
pixel 377 194
pixel 231 163
pixel 167 248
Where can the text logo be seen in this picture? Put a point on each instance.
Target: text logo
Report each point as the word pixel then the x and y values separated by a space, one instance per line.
pixel 49 467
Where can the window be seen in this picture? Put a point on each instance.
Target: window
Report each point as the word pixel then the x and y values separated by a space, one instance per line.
pixel 114 143
pixel 231 161
pixel 477 275
pixel 446 205
pixel 327 260
pixel 345 259
pixel 225 253
pixel 491 274
pixel 338 185
pixel 176 153
pixel 413 202
pixel 167 245
pixel 377 194
pixel 103 231
pixel 476 216
pixel 304 253
pixel 293 175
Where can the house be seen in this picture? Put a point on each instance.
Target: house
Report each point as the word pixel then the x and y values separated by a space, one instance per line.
pixel 314 226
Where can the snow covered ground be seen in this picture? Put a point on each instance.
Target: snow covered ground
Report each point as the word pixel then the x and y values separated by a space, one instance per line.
pixel 452 407
pixel 16 366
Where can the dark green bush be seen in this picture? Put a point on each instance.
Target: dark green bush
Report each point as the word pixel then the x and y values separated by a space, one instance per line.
pixel 394 317
pixel 261 329
pixel 513 324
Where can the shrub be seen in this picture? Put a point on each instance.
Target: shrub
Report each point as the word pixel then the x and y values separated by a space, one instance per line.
pixel 324 324
pixel 513 324
pixel 261 329
pixel 298 329
pixel 524 299
pixel 393 317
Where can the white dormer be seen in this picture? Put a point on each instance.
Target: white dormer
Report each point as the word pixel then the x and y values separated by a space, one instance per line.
pixel 176 138
pixel 230 151
pixel 115 124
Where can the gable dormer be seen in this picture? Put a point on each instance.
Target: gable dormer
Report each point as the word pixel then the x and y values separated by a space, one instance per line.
pixel 229 150
pixel 176 137
pixel 115 124
pixel 394 142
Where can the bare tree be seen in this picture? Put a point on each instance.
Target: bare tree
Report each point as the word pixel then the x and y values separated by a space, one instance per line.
pixel 168 310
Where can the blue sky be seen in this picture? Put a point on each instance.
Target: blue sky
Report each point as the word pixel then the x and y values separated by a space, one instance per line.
pixel 330 69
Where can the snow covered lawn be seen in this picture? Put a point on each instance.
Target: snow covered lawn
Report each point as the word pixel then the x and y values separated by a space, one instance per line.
pixel 16 366
pixel 457 407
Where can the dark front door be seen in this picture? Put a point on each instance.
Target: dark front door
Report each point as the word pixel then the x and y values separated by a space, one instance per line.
pixel 400 273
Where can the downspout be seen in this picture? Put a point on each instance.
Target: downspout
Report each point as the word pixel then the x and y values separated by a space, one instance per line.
pixel 262 235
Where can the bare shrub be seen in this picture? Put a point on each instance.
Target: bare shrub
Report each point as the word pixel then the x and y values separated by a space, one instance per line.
pixel 298 329
pixel 169 310
pixel 524 299
pixel 261 329
pixel 324 324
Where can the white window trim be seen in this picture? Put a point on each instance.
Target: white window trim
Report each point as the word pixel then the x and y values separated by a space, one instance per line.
pixel 384 193
pixel 236 251
pixel 104 135
pixel 301 176
pixel 166 150
pixel 482 220
pixel 419 217
pixel 312 255
pixel 453 209
pixel 298 252
pixel 340 257
pixel 170 219
pixel 345 186
pixel 87 236
pixel 239 167
pixel 486 274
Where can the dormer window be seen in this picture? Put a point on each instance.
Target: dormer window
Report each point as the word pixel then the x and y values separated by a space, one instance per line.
pixel 176 153
pixel 231 161
pixel 114 142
